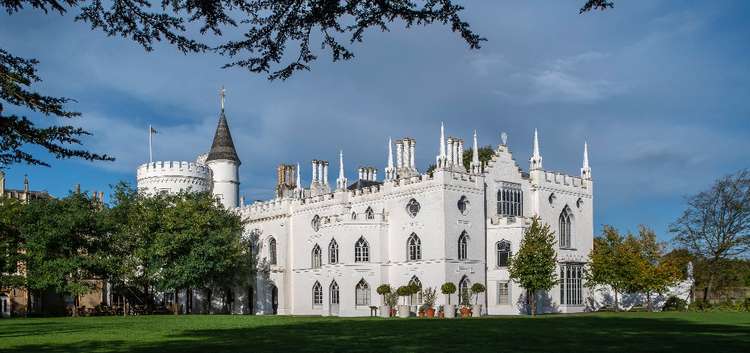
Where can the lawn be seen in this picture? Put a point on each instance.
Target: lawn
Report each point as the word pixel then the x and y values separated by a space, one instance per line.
pixel 600 332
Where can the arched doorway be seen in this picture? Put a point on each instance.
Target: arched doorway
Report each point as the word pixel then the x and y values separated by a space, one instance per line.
pixel 4 306
pixel 333 298
pixel 274 299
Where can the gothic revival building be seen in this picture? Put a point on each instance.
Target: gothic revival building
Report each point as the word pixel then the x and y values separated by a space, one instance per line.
pixel 324 248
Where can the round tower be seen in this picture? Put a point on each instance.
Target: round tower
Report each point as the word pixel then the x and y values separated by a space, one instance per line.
pixel 173 177
pixel 224 163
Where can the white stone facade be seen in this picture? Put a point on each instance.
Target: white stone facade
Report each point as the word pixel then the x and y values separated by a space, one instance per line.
pixel 311 261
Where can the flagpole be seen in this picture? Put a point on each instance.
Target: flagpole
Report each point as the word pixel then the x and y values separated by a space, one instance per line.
pixel 150 153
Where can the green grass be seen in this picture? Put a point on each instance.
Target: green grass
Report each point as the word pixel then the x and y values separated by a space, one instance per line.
pixel 600 332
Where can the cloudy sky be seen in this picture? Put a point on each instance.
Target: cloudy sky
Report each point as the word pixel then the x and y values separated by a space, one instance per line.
pixel 659 89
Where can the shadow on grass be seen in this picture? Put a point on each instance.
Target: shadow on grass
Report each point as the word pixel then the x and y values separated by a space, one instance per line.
pixel 578 334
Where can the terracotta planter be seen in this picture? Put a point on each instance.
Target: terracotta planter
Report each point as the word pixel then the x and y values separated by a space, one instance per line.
pixel 420 313
pixel 465 312
pixel 393 312
pixel 441 315
pixel 430 312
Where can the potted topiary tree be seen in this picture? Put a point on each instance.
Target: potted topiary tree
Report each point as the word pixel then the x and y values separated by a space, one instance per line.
pixel 385 309
pixel 476 289
pixel 449 288
pixel 429 296
pixel 403 309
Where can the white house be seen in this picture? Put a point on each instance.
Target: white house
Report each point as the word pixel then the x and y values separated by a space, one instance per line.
pixel 325 247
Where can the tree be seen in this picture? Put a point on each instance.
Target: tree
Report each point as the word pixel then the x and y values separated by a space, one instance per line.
pixel 476 289
pixel 16 132
pixel 11 244
pixel 610 263
pixel 716 223
pixel 384 289
pixel 448 288
pixel 534 267
pixel 63 242
pixel 485 155
pixel 651 271
pixel 201 245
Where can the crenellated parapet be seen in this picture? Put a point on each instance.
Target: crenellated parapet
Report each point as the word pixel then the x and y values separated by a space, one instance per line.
pixel 267 209
pixel 174 176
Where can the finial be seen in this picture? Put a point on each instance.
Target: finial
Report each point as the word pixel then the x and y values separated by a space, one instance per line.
pixel 222 93
pixel 586 170
pixel 504 138
pixel 536 157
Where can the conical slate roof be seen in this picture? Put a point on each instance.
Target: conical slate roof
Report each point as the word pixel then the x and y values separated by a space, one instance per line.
pixel 223 146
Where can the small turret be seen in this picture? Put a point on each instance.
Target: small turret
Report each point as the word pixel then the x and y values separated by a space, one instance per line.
pixel 224 162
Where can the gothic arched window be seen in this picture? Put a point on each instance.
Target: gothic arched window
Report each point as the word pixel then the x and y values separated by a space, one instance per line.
pixel 565 228
pixel 362 293
pixel 413 248
pixel 272 251
pixel 333 252
pixel 361 250
pixel 317 256
pixel 503 253
pixel 463 245
pixel 317 293
pixel 369 213
pixel 412 208
pixel 334 290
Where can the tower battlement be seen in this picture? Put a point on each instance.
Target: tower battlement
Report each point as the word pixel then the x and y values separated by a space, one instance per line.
pixel 173 176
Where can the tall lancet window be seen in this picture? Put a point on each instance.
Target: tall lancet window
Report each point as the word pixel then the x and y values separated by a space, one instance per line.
pixel 463 245
pixel 413 248
pixel 272 251
pixel 369 213
pixel 333 252
pixel 317 256
pixel 361 250
pixel 317 294
pixel 362 293
pixel 565 228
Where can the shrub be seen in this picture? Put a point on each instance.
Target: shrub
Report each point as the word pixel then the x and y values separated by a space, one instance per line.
pixel 429 297
pixel 674 304
pixel 391 299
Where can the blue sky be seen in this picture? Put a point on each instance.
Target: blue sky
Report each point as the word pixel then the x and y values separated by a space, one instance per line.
pixel 659 89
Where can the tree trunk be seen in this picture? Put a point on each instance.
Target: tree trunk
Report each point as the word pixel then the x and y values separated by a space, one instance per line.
pixel 617 303
pixel 648 300
pixel 75 306
pixel 28 301
pixel 124 306
pixel 707 289
pixel 532 303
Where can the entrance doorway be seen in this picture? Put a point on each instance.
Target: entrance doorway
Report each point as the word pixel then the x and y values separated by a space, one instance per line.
pixel 333 299
pixel 4 306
